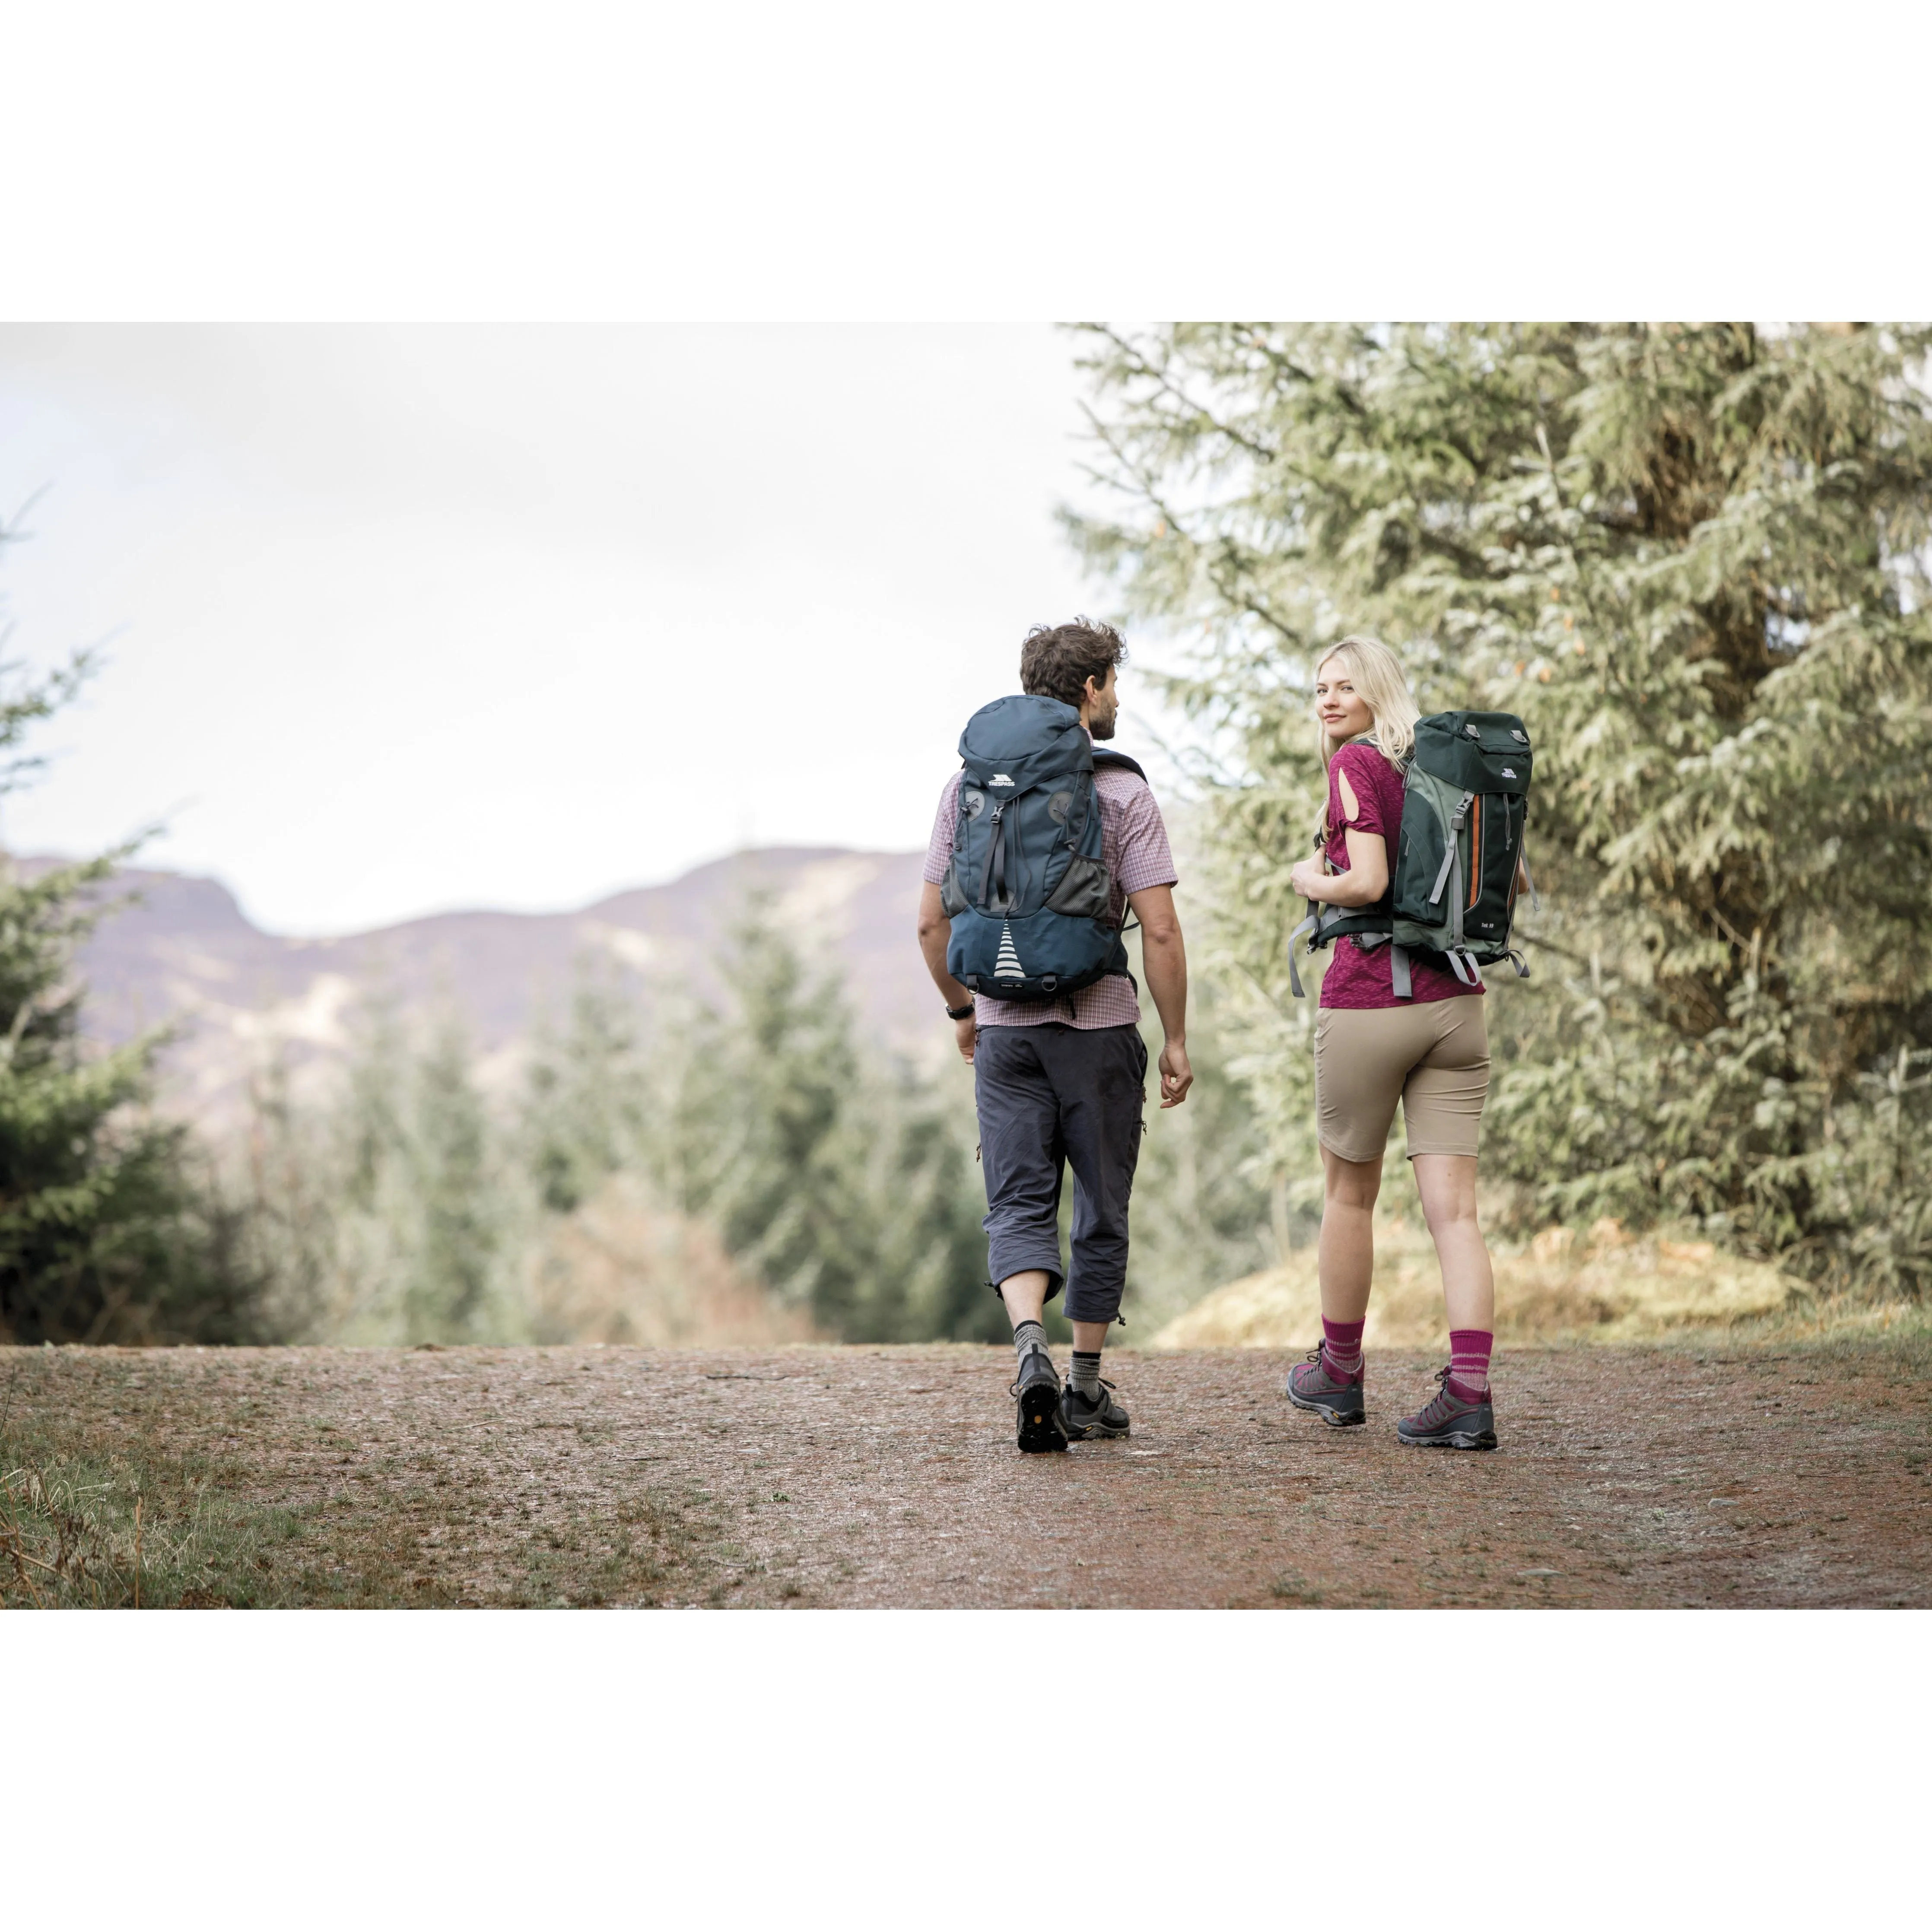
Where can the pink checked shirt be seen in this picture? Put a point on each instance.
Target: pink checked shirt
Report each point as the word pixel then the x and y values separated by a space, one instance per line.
pixel 1133 842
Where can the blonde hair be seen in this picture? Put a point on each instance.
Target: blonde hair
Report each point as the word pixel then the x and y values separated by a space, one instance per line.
pixel 1376 673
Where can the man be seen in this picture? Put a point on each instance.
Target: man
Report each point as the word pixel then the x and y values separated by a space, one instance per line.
pixel 1058 1082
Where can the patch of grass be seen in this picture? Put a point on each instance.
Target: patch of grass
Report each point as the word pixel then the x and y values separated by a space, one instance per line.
pixel 1899 1338
pixel 84 1524
pixel 1291 1588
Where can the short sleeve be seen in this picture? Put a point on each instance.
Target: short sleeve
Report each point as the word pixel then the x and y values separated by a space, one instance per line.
pixel 1146 859
pixel 939 847
pixel 1369 773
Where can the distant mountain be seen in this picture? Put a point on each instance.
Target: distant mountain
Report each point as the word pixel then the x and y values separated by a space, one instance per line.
pixel 182 951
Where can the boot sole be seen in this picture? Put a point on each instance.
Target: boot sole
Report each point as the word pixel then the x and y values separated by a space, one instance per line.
pixel 1041 1432
pixel 1327 1414
pixel 1460 1438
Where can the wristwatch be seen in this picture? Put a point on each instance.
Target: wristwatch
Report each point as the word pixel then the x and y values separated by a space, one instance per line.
pixel 965 1013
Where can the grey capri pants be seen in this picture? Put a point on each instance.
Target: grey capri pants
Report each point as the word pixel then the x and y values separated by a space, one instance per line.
pixel 1051 1097
pixel 1433 1056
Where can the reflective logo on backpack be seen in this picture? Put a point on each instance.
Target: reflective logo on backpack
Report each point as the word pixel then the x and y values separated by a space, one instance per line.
pixel 999 778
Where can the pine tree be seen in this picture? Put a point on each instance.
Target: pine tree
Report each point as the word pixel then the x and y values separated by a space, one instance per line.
pixel 463 1241
pixel 111 1229
pixel 587 1102
pixel 1693 559
pixel 848 1182
pixel 425 1243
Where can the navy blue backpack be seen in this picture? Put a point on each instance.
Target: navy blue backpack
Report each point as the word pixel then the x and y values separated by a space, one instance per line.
pixel 1029 895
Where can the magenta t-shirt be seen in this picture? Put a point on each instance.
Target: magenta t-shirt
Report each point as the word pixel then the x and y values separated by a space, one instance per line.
pixel 1356 979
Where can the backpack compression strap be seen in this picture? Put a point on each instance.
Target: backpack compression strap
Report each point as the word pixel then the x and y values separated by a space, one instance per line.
pixel 1469 798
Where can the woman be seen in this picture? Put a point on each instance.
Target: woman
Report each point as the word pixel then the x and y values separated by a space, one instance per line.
pixel 1430 1051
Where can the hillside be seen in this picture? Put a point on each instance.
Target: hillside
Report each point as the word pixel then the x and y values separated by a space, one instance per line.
pixel 180 949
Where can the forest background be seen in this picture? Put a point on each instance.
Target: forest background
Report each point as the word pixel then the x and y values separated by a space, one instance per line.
pixel 1693 559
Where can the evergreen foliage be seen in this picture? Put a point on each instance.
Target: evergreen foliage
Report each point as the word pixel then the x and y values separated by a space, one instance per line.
pixel 109 1228
pixel 1693 559
pixel 850 1181
pixel 395 1214
pixel 844 1181
pixel 410 1208
pixel 588 1107
pixel 1209 1205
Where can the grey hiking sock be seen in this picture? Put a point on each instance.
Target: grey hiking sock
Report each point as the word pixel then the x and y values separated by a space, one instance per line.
pixel 1086 1375
pixel 1028 1335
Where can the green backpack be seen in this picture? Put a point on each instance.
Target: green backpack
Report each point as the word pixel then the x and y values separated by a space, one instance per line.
pixel 1452 883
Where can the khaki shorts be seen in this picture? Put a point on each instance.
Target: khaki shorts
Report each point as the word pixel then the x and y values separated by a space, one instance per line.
pixel 1434 1057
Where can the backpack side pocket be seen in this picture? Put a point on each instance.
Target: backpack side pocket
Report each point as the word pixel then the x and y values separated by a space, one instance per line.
pixel 1493 888
pixel 1085 890
pixel 1422 844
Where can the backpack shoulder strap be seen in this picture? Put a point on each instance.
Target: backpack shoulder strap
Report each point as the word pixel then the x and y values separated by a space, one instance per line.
pixel 1118 760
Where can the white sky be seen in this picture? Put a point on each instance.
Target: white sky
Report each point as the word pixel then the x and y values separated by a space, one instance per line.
pixel 403 619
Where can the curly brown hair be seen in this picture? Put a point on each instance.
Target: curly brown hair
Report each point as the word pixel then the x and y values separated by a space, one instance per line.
pixel 1057 660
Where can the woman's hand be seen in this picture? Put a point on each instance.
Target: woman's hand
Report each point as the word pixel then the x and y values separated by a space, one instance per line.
pixel 1364 881
pixel 1309 879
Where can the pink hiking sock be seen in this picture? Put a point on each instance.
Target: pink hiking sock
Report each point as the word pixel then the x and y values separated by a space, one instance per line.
pixel 1469 1362
pixel 1341 1348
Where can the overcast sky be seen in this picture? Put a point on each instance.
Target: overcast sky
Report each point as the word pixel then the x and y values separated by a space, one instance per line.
pixel 400 620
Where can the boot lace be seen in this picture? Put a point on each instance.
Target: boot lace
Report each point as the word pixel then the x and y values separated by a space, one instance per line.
pixel 1091 1401
pixel 1444 1403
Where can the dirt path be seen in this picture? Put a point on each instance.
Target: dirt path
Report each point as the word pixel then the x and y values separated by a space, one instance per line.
pixel 888 1477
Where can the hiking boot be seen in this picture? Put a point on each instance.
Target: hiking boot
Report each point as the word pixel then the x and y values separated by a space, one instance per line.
pixel 1448 1422
pixel 1036 1392
pixel 1310 1386
pixel 1091 1421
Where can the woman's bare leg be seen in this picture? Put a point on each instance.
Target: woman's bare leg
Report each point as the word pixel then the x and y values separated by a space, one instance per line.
pixel 1346 1258
pixel 1447 1182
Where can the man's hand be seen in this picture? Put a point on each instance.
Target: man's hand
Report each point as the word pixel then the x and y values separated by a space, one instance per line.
pixel 934 927
pixel 1176 1075
pixel 1164 959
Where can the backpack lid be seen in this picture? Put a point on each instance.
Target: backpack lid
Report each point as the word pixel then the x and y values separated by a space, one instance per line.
pixel 1474 751
pixel 1014 743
